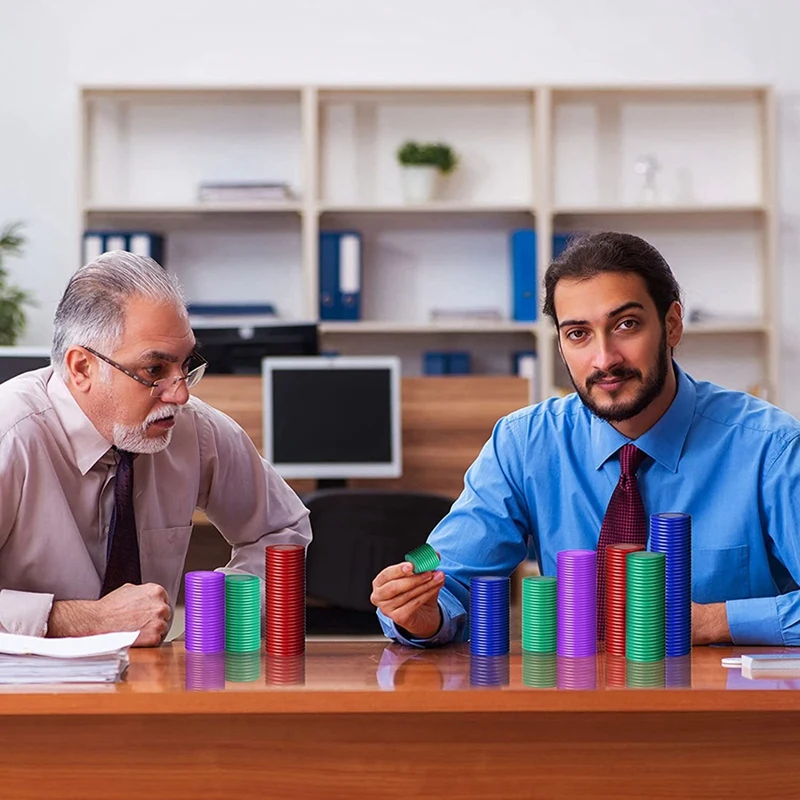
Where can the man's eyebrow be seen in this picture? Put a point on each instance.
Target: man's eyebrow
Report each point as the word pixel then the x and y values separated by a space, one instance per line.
pixel 159 355
pixel 611 314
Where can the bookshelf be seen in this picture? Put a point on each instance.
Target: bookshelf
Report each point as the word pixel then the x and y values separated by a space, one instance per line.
pixel 561 159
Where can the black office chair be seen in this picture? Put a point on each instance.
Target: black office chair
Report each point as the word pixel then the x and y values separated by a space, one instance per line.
pixel 358 532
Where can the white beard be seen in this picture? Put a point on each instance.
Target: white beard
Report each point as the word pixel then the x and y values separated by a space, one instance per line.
pixel 134 438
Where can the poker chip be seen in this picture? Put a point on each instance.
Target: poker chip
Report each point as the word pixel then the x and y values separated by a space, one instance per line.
pixel 488 615
pixel 205 611
pixel 644 609
pixel 539 619
pixel 424 558
pixel 539 670
pixel 285 600
pixel 615 596
pixel 242 613
pixel 576 592
pixel 671 534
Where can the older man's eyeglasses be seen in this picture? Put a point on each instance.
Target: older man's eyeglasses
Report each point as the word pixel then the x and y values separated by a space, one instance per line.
pixel 191 376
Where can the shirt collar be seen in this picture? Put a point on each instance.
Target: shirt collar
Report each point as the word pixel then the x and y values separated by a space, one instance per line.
pixel 88 446
pixel 664 441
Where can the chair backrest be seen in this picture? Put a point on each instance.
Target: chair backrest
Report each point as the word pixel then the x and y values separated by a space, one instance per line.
pixel 358 532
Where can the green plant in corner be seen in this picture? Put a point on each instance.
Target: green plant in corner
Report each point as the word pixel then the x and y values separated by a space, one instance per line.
pixel 12 298
pixel 434 154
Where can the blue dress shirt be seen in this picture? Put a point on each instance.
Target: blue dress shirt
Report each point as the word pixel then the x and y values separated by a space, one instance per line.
pixel 544 479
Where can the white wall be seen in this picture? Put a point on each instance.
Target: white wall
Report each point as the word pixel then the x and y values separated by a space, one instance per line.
pixel 49 48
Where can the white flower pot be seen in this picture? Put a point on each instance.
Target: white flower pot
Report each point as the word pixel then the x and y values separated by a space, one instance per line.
pixel 420 183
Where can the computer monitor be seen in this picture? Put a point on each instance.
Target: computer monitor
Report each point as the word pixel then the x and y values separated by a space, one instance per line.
pixel 238 348
pixel 333 417
pixel 16 360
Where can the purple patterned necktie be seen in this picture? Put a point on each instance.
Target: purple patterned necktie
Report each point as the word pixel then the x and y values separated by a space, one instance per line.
pixel 624 523
pixel 123 556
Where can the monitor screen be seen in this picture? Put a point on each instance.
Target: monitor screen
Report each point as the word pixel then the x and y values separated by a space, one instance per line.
pixel 333 417
pixel 16 360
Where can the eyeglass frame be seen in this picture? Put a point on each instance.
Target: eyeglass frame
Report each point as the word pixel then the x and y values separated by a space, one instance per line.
pixel 152 385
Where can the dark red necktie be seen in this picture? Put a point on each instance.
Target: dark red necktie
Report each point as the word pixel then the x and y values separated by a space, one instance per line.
pixel 624 523
pixel 123 564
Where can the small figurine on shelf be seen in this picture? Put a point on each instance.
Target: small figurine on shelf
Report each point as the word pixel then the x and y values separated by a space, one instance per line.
pixel 422 165
pixel 647 166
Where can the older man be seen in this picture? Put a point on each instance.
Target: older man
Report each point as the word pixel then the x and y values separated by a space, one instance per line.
pixel 104 457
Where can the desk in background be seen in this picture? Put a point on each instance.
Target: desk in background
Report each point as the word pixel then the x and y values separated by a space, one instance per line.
pixel 373 720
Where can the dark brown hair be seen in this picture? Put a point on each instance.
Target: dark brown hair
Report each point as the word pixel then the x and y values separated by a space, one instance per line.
pixel 597 253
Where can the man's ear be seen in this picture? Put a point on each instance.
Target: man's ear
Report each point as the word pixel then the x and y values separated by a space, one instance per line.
pixel 673 323
pixel 82 369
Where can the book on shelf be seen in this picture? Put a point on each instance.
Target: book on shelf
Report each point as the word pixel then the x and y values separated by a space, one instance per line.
pixel 244 192
pixel 446 362
pixel 232 315
pixel 140 243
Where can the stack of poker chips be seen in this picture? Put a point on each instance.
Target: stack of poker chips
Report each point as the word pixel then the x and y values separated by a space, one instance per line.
pixel 424 558
pixel 671 534
pixel 577 673
pixel 243 667
pixel 286 599
pixel 644 610
pixel 488 615
pixel 204 671
pixel 205 612
pixel 616 555
pixel 576 573
pixel 242 613
pixel 286 671
pixel 645 674
pixel 539 614
pixel 489 670
pixel 539 670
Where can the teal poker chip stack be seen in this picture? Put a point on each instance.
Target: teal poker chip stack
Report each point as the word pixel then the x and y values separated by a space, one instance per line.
pixel 242 613
pixel 424 558
pixel 539 625
pixel 645 606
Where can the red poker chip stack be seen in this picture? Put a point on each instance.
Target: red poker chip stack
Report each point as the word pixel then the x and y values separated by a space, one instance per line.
pixel 286 599
pixel 615 596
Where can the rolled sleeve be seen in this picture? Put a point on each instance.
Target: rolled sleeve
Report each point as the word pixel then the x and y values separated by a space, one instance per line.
pixel 755 621
pixel 25 613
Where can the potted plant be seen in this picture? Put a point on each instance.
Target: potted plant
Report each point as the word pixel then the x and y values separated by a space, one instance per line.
pixel 12 298
pixel 423 164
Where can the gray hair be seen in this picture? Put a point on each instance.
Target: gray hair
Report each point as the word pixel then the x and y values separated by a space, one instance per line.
pixel 92 309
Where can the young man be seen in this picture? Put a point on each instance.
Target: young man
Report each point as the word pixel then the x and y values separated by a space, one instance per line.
pixel 104 457
pixel 549 471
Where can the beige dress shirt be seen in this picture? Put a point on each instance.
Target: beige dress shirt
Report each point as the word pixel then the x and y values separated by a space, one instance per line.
pixel 57 492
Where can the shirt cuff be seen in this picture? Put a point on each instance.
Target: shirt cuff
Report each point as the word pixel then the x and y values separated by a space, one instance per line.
pixel 24 613
pixel 453 618
pixel 754 621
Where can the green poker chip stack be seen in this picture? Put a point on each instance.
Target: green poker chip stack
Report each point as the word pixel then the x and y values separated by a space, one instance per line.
pixel 424 558
pixel 539 626
pixel 644 674
pixel 243 667
pixel 539 670
pixel 242 613
pixel 645 620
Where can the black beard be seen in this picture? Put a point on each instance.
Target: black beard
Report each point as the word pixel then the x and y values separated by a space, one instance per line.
pixel 650 389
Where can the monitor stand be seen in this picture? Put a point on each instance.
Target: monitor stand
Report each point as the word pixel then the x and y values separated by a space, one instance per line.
pixel 332 483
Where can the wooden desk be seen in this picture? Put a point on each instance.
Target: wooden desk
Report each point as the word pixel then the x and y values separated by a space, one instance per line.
pixel 376 720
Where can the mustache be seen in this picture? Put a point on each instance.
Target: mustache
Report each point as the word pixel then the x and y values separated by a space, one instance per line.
pixel 163 413
pixel 620 373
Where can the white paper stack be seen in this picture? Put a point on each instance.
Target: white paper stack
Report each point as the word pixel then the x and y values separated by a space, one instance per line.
pixel 86 659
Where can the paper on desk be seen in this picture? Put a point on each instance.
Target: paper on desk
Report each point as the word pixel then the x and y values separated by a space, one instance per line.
pixel 74 647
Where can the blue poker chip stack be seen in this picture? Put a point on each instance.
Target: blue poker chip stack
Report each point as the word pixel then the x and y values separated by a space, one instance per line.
pixel 671 534
pixel 489 670
pixel 488 615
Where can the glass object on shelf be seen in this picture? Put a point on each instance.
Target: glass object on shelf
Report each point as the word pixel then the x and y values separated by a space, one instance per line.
pixel 647 166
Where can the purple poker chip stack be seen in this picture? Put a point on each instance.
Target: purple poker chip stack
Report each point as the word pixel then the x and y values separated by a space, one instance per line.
pixel 205 612
pixel 576 572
